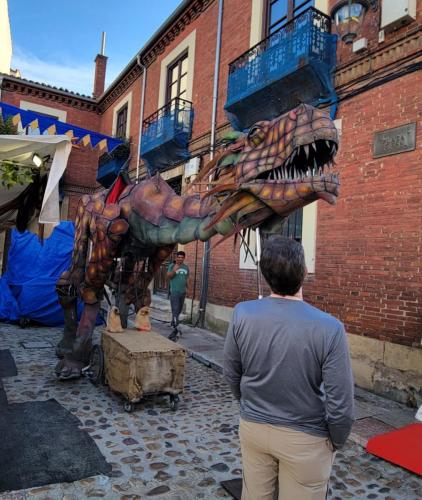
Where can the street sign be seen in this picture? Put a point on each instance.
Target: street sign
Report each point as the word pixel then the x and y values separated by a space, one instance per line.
pixel 395 140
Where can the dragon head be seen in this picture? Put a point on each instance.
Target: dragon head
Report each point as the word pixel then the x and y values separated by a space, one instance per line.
pixel 277 167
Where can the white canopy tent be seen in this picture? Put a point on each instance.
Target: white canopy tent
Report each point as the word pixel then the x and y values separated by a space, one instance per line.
pixel 21 149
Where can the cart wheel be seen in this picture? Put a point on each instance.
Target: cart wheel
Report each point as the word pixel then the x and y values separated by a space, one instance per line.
pixel 96 363
pixel 174 402
pixel 129 407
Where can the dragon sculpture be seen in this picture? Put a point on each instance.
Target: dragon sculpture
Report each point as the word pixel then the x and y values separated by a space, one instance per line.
pixel 256 180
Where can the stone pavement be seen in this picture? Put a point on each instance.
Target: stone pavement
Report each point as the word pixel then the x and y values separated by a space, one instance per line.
pixel 374 414
pixel 184 455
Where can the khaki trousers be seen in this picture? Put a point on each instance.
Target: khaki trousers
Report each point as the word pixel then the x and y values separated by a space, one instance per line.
pixel 301 463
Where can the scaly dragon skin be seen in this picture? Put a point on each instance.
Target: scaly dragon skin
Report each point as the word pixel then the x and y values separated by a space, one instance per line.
pixel 257 180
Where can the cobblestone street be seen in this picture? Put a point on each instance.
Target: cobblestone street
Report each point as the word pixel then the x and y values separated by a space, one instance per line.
pixel 155 452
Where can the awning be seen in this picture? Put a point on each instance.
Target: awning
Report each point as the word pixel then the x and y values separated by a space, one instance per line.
pixel 21 149
pixel 51 126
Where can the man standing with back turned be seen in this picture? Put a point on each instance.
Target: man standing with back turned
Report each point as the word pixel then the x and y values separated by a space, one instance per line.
pixel 288 363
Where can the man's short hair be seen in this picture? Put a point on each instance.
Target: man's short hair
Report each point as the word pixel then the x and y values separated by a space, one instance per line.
pixel 181 253
pixel 283 264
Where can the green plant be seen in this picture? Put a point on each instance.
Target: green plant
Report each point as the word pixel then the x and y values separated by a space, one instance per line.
pixel 7 127
pixel 11 172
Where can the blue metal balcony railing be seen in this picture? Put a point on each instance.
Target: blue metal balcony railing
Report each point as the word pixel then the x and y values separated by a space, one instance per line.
pixel 166 135
pixel 110 165
pixel 293 65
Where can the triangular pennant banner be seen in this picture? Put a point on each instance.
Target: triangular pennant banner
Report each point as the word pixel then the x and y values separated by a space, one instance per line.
pixel 53 126
pixel 86 139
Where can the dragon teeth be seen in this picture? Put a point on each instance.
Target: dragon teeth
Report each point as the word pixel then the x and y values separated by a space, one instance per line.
pixel 313 146
pixel 306 148
pixel 328 144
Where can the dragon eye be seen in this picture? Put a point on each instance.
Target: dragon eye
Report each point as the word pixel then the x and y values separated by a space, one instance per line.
pixel 255 136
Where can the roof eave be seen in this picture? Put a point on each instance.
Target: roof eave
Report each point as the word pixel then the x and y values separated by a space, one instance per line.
pixel 142 52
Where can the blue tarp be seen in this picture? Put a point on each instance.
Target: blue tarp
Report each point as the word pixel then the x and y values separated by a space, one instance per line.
pixel 27 289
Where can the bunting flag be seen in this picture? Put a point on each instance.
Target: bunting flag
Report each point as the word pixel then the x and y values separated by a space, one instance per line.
pixel 52 126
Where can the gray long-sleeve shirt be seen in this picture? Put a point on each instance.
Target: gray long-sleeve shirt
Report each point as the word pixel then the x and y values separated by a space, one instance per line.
pixel 289 365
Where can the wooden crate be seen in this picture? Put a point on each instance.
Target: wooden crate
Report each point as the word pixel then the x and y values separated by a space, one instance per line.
pixel 141 363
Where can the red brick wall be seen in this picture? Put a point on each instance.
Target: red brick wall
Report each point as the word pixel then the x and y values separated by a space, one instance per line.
pixel 368 264
pixel 107 118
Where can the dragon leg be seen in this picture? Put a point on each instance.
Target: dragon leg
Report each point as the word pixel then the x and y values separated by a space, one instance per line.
pixel 107 233
pixel 127 268
pixel 70 280
pixel 68 301
pixel 138 292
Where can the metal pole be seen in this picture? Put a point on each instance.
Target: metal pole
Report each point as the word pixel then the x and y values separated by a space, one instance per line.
pixel 103 42
pixel 258 260
pixel 141 116
pixel 206 256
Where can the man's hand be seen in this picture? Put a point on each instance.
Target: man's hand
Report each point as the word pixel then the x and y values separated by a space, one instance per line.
pixel 171 274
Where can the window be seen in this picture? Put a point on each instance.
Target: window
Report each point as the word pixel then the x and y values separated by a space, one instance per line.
pixel 279 12
pixel 292 228
pixel 302 226
pixel 177 78
pixel 170 72
pixel 121 122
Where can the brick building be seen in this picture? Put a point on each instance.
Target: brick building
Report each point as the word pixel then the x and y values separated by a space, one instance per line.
pixel 364 254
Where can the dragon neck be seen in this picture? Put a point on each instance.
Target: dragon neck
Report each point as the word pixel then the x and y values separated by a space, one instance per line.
pixel 199 226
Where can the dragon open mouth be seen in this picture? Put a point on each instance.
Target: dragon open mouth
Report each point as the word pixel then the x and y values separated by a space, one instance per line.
pixel 310 160
pixel 280 166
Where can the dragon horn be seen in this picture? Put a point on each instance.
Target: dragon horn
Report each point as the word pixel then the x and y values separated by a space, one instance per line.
pixel 218 189
pixel 231 206
pixel 211 165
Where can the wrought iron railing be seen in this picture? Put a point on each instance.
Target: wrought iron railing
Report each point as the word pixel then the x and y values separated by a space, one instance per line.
pixel 168 122
pixel 110 164
pixel 305 38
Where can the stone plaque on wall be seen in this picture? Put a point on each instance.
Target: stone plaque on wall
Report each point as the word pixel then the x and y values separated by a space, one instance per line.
pixel 395 140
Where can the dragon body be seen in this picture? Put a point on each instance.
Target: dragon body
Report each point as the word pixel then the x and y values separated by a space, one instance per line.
pixel 256 180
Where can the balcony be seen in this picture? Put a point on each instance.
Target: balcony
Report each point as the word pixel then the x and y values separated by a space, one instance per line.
pixel 293 65
pixel 110 164
pixel 166 135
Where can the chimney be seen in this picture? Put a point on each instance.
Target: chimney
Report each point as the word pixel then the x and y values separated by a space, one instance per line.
pixel 100 69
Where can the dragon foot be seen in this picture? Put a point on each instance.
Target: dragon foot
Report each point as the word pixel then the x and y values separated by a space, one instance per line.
pixel 68 369
pixel 64 347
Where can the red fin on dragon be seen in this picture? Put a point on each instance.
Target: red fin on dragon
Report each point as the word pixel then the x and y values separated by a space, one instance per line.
pixel 257 180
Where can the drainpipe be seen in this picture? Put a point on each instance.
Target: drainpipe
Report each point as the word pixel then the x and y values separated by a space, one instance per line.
pixel 141 117
pixel 258 260
pixel 206 258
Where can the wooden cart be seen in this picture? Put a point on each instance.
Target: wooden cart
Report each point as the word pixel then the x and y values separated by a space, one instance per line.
pixel 136 364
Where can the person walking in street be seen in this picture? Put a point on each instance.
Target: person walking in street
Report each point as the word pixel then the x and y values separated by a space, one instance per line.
pixel 178 274
pixel 288 363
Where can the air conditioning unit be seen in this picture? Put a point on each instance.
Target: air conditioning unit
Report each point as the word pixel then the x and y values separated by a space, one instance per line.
pixel 396 13
pixel 192 166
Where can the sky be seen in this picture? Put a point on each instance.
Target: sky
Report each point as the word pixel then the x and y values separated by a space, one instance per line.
pixel 56 42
